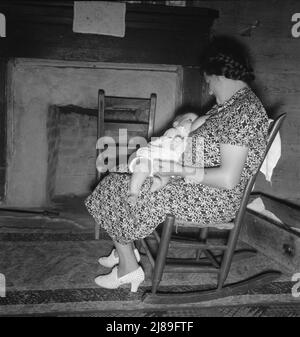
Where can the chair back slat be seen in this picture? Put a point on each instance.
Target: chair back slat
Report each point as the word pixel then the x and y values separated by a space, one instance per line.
pixel 273 130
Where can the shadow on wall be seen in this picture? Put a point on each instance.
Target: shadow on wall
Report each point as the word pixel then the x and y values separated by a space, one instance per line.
pixel 275 108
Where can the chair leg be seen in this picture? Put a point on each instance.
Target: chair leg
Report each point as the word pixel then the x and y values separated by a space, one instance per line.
pixel 212 258
pixel 202 238
pixel 144 245
pixel 228 255
pixel 162 252
pixel 97 231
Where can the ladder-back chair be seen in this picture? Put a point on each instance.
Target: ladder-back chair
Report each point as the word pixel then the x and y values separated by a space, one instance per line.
pixel 212 263
pixel 136 115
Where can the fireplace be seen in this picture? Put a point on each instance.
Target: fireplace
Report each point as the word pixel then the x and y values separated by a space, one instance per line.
pixel 33 114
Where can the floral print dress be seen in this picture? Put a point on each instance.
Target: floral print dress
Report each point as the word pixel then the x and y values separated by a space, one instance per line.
pixel 240 121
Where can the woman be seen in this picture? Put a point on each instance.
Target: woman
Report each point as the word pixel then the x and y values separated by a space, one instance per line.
pixel 234 142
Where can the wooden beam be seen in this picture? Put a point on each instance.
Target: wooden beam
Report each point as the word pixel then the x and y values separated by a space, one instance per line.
pixel 273 240
pixel 137 15
pixel 154 34
pixel 287 212
pixel 3 64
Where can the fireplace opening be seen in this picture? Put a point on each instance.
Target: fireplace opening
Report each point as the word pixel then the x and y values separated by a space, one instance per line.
pixel 72 134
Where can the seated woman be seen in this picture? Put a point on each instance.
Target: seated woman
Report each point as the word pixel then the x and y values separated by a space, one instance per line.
pixel 233 139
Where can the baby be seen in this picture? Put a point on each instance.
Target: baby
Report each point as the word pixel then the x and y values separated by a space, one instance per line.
pixel 169 147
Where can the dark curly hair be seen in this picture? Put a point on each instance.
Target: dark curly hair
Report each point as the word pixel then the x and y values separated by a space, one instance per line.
pixel 225 56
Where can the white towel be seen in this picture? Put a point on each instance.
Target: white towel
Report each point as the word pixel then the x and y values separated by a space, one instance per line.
pixel 272 157
pixel 99 17
pixel 258 206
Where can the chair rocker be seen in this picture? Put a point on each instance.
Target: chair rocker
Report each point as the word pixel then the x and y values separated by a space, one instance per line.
pixel 212 263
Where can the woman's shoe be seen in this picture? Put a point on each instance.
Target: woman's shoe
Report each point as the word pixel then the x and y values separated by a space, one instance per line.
pixel 112 260
pixel 112 281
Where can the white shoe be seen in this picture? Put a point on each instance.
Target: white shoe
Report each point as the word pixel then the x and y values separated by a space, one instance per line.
pixel 111 280
pixel 111 260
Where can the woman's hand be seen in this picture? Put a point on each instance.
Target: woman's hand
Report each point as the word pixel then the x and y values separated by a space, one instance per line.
pixel 167 168
pixel 172 168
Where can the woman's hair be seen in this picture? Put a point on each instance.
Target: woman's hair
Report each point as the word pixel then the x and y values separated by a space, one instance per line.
pixel 227 57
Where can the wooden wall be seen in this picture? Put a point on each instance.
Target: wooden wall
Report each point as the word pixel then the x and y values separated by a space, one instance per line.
pixel 276 56
pixel 2 129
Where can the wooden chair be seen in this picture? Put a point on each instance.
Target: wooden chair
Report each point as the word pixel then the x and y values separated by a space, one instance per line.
pixel 212 263
pixel 136 115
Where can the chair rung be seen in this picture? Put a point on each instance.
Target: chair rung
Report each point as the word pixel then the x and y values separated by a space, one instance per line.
pixel 156 236
pixel 197 244
pixel 148 252
pixel 204 261
pixel 190 268
pixel 189 224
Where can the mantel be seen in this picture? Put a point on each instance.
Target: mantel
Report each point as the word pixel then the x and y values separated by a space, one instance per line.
pixel 154 34
pixel 143 16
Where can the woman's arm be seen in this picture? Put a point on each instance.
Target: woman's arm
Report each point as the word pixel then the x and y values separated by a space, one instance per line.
pixel 198 122
pixel 226 176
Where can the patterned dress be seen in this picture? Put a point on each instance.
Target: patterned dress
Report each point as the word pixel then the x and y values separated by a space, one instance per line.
pixel 240 121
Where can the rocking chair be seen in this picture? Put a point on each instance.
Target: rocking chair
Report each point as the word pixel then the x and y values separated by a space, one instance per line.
pixel 212 263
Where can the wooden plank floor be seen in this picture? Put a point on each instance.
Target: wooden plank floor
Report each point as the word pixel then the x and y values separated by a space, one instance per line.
pixel 50 266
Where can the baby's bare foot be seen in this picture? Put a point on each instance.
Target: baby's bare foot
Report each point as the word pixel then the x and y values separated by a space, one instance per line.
pixel 156 184
pixel 132 199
